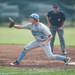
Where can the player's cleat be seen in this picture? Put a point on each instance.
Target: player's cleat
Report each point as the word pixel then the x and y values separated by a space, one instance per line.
pixel 67 60
pixel 14 63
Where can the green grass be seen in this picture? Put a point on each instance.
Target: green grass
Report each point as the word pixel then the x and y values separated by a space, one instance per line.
pixel 22 71
pixel 69 35
pixel 15 36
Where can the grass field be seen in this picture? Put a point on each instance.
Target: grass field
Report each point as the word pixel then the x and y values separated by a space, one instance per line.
pixel 22 71
pixel 14 36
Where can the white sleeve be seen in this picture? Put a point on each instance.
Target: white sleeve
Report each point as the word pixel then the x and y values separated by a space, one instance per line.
pixel 27 26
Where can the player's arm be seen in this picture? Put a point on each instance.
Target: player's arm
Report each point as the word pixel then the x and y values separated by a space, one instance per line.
pixel 46 41
pixel 18 26
pixel 13 24
pixel 47 33
pixel 24 26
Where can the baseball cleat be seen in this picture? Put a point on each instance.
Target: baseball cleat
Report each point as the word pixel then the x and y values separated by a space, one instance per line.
pixel 67 60
pixel 14 63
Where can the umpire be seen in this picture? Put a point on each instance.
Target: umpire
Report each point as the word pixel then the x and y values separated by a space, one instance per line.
pixel 55 19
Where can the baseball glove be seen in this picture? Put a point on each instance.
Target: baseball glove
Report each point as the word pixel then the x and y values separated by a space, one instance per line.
pixel 12 23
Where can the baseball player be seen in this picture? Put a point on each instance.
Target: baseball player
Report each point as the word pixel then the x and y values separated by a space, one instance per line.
pixel 56 19
pixel 42 39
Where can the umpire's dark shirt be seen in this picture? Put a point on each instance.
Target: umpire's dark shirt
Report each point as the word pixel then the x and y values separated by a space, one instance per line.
pixel 56 18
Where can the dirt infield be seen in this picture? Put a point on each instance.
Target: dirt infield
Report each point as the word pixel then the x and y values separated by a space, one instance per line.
pixel 34 58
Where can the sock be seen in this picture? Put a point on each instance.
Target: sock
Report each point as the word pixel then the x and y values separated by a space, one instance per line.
pixel 21 56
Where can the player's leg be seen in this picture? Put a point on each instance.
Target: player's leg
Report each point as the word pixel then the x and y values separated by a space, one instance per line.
pixel 62 41
pixel 26 49
pixel 49 53
pixel 53 31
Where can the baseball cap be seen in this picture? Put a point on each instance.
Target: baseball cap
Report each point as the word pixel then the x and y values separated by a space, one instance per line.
pixel 55 6
pixel 35 16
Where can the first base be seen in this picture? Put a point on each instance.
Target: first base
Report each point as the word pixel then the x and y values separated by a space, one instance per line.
pixel 71 63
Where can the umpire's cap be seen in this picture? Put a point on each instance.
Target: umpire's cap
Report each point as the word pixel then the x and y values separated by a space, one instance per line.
pixel 35 16
pixel 55 6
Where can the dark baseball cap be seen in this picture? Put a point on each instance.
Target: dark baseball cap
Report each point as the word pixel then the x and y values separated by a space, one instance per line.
pixel 55 6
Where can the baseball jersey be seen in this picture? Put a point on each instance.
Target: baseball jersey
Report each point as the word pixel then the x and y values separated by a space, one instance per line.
pixel 56 18
pixel 39 31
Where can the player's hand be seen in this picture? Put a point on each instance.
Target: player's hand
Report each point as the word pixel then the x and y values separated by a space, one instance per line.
pixel 60 28
pixel 47 41
pixel 12 23
pixel 44 43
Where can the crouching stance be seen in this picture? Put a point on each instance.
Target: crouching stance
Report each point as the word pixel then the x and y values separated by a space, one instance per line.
pixel 42 35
